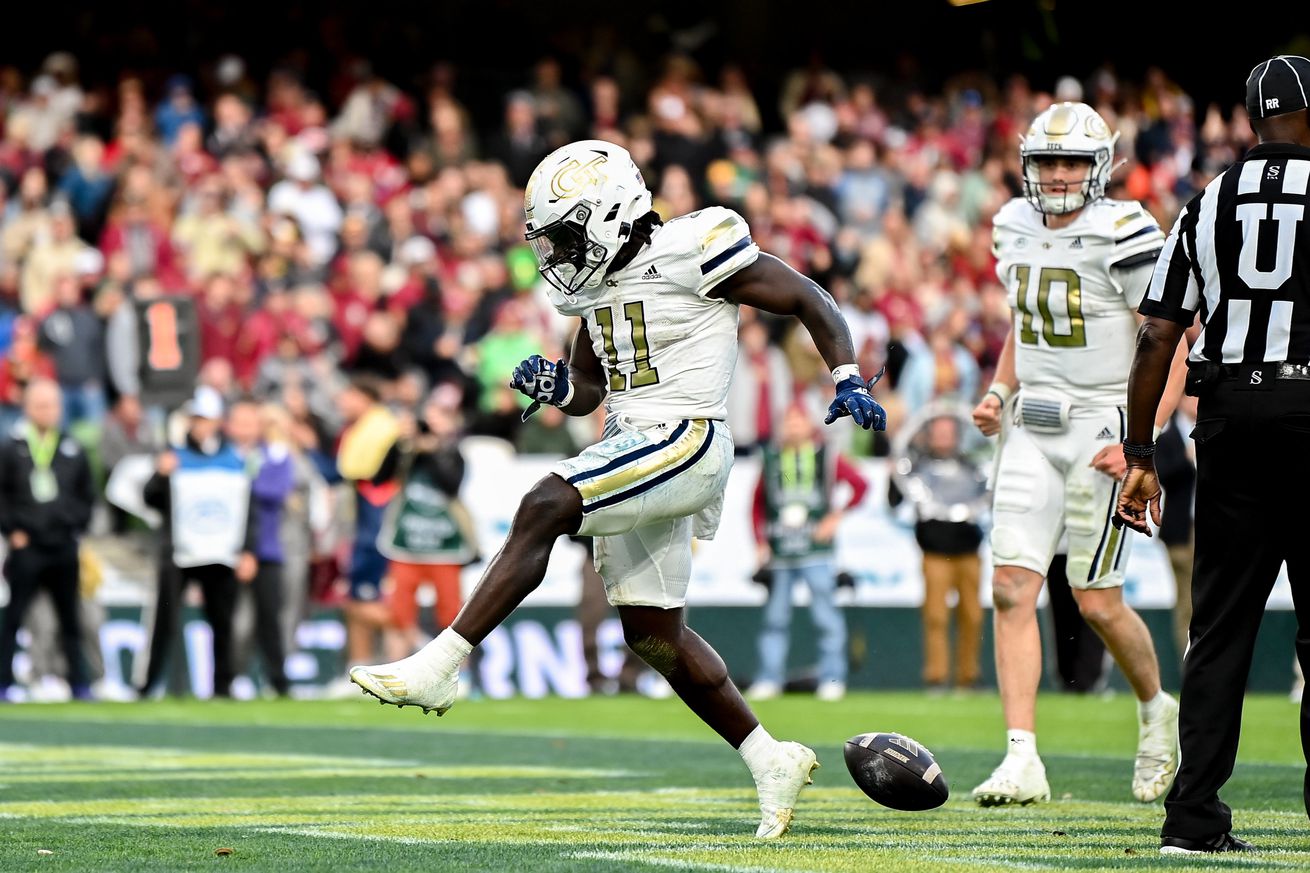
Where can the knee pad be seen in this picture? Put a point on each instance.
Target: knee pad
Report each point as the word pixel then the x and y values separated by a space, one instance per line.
pixel 1007 544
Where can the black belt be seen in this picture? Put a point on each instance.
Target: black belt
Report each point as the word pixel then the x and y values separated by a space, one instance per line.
pixel 1205 374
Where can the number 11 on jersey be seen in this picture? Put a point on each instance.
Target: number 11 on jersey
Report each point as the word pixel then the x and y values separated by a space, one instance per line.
pixel 643 373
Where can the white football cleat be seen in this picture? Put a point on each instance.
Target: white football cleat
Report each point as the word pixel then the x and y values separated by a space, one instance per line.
pixel 409 682
pixel 830 692
pixel 763 691
pixel 1157 754
pixel 780 784
pixel 1018 780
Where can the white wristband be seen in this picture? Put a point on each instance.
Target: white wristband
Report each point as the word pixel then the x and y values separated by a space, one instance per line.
pixel 1001 390
pixel 841 373
pixel 568 397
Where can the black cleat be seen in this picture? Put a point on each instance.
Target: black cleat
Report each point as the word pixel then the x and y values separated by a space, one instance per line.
pixel 1222 843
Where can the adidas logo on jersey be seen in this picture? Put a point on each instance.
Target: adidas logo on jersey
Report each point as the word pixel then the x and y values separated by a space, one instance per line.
pixel 1105 434
pixel 651 273
pixel 1077 243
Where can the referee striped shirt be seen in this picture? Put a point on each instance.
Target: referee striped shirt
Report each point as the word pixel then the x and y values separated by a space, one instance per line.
pixel 1239 254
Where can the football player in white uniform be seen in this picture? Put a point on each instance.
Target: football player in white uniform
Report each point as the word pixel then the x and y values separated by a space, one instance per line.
pixel 657 344
pixel 1076 265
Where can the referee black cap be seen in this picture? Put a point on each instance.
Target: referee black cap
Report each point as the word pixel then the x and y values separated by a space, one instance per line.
pixel 1278 86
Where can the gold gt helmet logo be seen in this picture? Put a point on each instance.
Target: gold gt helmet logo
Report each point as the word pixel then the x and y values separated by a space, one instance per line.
pixel 570 179
pixel 1096 127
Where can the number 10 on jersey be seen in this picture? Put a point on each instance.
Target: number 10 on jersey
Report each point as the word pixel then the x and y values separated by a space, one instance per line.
pixel 642 372
pixel 1060 330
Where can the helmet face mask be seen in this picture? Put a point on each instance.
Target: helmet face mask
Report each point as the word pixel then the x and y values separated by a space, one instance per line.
pixel 1077 187
pixel 580 204
pixel 565 257
pixel 1068 130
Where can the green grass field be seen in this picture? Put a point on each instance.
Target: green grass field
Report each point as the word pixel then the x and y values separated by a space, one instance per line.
pixel 582 785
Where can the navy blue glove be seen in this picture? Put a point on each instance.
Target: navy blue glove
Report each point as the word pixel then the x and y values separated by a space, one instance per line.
pixel 853 399
pixel 543 381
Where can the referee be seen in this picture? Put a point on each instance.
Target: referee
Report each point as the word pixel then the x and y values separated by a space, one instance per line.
pixel 1239 255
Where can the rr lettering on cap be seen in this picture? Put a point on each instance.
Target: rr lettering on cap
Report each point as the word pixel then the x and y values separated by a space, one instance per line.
pixel 1271 103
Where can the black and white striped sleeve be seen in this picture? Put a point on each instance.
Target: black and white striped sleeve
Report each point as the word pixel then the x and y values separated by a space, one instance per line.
pixel 1175 290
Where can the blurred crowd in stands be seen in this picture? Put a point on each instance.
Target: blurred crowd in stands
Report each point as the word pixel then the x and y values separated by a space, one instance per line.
pixel 370 232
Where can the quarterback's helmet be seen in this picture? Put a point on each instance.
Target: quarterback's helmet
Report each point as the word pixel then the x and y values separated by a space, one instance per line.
pixel 1068 130
pixel 580 205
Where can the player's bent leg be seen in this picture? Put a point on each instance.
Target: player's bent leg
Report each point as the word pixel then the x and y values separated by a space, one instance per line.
pixel 1098 553
pixel 1021 777
pixel 699 676
pixel 429 679
pixel 1127 638
pixel 1124 634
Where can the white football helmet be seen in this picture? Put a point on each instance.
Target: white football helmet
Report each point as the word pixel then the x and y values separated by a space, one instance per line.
pixel 580 205
pixel 1068 129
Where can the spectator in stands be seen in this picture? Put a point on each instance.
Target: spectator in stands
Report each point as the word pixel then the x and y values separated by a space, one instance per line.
pixel 942 368
pixel 87 186
pixel 27 218
pixel 46 497
pixel 795 522
pixel 520 146
pixel 311 204
pixel 132 230
pixel 761 388
pixel 214 240
pixel 23 363
pixel 49 258
pixel 73 336
pixel 178 110
pixel 233 132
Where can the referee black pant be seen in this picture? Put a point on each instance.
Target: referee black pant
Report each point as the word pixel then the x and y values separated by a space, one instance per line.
pixel 56 568
pixel 218 585
pixel 1253 475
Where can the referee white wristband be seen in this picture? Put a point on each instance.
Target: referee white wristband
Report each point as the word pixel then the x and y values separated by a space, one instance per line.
pixel 1001 390
pixel 846 371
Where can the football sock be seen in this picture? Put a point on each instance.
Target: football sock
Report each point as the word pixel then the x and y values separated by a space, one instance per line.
pixel 756 748
pixel 1147 710
pixel 1021 743
pixel 446 652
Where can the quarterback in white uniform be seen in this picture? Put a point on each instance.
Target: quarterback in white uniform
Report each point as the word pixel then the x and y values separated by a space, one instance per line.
pixel 657 344
pixel 1076 265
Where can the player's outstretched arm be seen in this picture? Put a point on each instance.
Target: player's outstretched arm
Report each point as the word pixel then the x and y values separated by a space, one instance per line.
pixel 771 285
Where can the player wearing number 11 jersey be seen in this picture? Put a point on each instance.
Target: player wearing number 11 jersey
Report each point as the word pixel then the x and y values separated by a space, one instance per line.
pixel 1076 265
pixel 656 343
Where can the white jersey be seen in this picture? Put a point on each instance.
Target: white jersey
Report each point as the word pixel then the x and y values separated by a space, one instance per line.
pixel 668 349
pixel 1074 328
